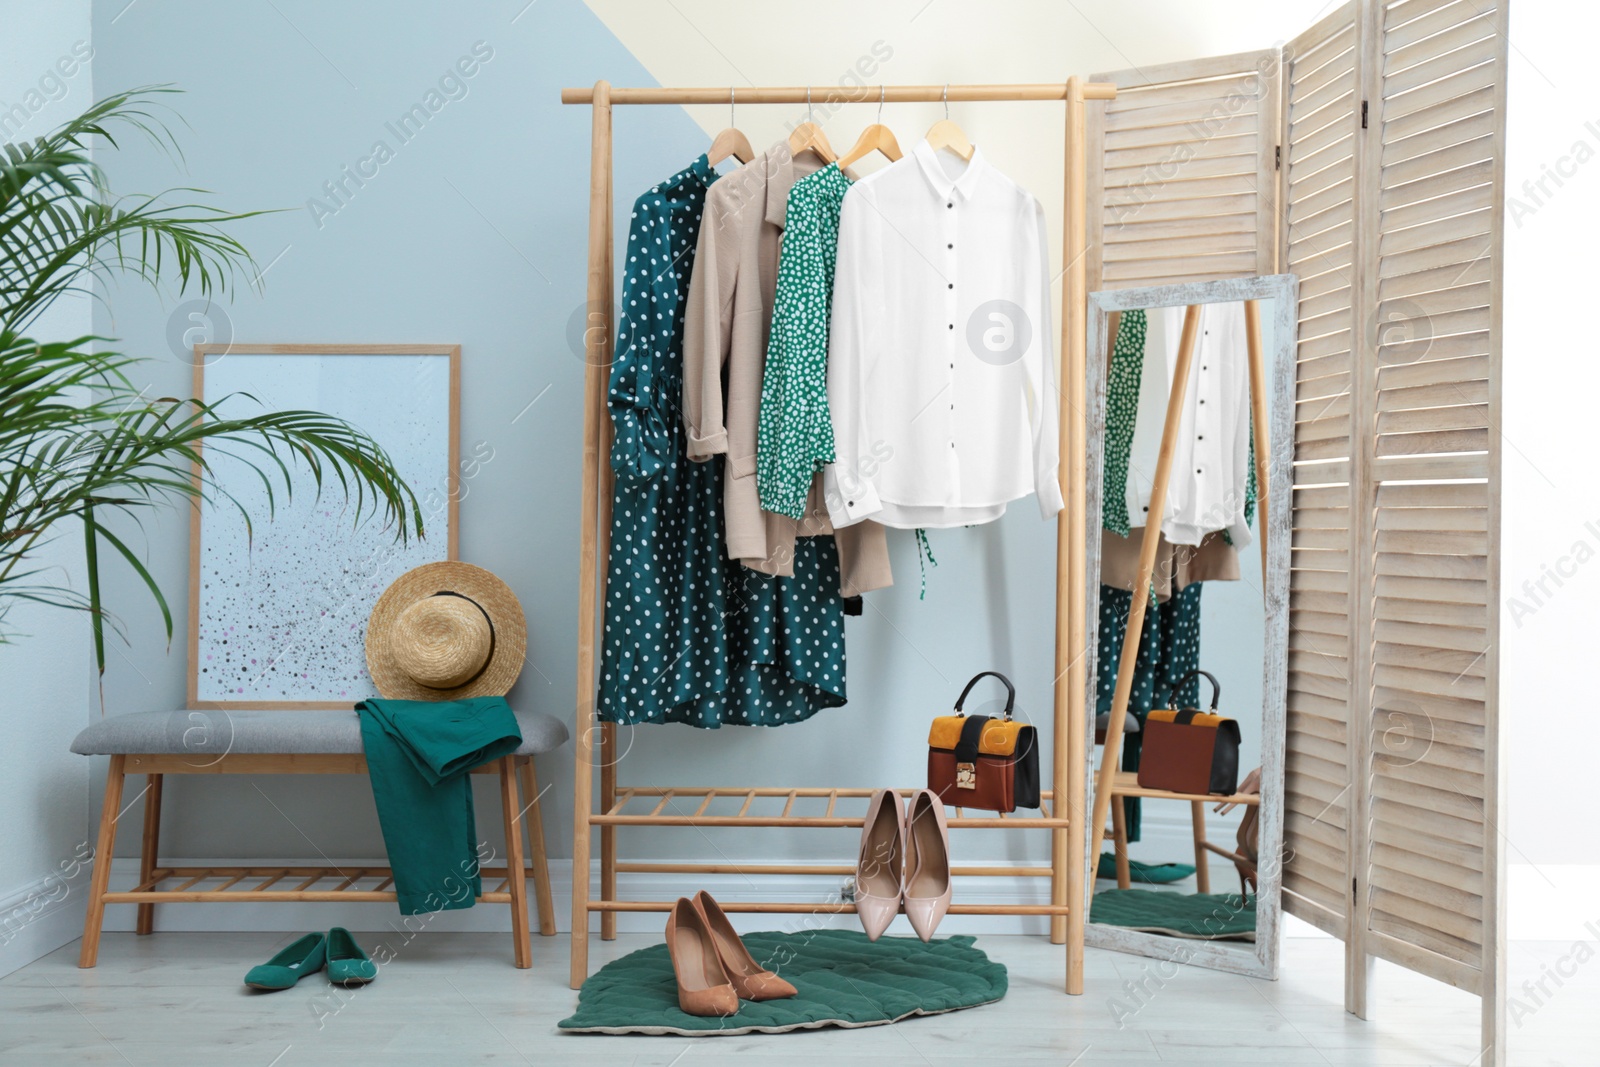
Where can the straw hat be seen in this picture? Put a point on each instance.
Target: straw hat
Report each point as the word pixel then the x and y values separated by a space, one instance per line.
pixel 446 631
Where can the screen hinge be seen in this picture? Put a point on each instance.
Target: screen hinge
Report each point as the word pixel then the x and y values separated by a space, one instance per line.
pixel 1277 157
pixel 1363 114
pixel 1354 894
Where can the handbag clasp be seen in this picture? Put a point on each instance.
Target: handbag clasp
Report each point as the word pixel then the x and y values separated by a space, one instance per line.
pixel 966 776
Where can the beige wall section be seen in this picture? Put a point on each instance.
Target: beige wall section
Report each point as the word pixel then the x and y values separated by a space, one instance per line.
pixel 921 42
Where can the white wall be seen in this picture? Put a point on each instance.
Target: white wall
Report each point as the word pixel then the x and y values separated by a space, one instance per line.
pixel 1551 511
pixel 47 689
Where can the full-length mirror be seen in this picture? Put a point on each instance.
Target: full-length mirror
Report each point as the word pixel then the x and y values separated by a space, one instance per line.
pixel 1191 439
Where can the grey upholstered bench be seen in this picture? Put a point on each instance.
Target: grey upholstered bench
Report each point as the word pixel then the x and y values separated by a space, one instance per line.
pixel 159 743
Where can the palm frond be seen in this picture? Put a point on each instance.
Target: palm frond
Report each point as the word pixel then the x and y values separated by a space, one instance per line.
pixel 78 442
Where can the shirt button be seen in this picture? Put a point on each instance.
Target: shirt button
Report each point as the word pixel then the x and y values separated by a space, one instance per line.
pixel 1202 437
pixel 952 285
pixel 952 325
pixel 951 204
pixel 849 503
pixel 950 246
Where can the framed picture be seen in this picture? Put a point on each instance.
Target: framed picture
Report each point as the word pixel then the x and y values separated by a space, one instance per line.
pixel 278 614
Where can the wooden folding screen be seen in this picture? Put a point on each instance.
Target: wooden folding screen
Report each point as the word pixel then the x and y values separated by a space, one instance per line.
pixel 1379 145
pixel 1184 192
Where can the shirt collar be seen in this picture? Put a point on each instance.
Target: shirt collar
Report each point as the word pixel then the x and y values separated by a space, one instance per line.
pixel 935 172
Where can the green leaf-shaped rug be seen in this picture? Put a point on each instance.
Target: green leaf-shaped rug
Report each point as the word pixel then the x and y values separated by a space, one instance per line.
pixel 843 980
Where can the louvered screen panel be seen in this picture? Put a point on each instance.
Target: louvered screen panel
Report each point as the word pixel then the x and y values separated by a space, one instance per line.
pixel 1318 137
pixel 1433 612
pixel 1186 182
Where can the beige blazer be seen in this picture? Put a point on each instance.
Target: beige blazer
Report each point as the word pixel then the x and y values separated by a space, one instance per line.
pixel 726 324
pixel 1177 566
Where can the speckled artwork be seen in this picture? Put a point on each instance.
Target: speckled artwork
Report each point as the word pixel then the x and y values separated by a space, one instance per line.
pixel 282 615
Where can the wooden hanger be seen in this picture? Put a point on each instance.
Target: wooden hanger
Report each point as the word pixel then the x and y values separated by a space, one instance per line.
pixel 946 134
pixel 808 137
pixel 730 142
pixel 876 137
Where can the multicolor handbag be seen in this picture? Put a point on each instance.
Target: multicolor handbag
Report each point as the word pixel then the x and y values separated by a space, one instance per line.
pixel 976 761
pixel 1187 750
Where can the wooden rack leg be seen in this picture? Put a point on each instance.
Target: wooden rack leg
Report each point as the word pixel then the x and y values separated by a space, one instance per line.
pixel 1066 847
pixel 608 834
pixel 1202 859
pixel 100 878
pixel 149 848
pixel 1119 842
pixel 597 358
pixel 538 856
pixel 516 875
pixel 1110 755
pixel 1259 420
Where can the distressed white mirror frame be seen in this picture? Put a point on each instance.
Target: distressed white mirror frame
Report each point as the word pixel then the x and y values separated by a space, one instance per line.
pixel 1279 357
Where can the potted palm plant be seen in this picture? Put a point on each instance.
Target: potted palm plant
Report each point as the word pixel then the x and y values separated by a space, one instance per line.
pixel 79 444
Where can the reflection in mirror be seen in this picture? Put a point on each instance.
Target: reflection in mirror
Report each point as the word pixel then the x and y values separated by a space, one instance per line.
pixel 1190 435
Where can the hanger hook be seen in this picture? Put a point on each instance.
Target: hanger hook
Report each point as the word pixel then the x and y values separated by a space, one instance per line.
pixel 808 105
pixel 946 98
pixel 881 92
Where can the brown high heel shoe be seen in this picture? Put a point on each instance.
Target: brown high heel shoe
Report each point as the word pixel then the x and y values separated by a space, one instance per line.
pixel 703 986
pixel 749 979
pixel 880 863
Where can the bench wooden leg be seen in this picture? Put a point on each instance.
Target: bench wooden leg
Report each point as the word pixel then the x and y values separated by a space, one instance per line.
pixel 150 849
pixel 538 858
pixel 511 809
pixel 100 876
pixel 1202 865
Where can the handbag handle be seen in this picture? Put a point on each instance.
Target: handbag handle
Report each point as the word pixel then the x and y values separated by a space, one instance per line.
pixel 1011 691
pixel 1216 689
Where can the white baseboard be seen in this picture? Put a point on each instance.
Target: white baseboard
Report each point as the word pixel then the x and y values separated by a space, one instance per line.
pixel 1547 903
pixel 40 917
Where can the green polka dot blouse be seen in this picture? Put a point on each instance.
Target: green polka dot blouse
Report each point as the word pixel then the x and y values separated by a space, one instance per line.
pixel 795 439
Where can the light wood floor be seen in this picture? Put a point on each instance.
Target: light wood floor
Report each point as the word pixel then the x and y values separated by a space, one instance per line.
pixel 173 999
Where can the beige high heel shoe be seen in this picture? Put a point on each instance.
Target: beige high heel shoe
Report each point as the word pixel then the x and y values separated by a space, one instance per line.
pixel 703 986
pixel 880 862
pixel 927 884
pixel 749 979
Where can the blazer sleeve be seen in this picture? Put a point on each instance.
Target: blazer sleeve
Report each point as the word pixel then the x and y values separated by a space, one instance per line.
pixel 707 325
pixel 1039 365
pixel 847 486
pixel 643 443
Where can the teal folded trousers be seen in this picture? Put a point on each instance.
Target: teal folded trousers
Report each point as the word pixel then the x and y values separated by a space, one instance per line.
pixel 419 753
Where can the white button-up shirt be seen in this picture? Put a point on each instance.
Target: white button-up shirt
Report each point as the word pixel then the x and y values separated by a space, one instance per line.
pixel 1206 491
pixel 941 365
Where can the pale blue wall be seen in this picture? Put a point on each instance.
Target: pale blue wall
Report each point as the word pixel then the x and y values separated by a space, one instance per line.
pixel 47 692
pixel 275 111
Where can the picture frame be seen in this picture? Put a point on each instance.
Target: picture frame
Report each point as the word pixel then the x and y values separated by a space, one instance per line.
pixel 277 615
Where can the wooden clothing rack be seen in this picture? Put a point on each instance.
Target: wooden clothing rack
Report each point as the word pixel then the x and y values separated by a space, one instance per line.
pixel 1062 812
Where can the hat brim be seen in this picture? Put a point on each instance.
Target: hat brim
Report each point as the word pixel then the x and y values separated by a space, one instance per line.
pixel 491 594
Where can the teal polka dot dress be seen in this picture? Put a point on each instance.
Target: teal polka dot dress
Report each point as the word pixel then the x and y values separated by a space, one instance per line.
pixel 1169 648
pixel 691 636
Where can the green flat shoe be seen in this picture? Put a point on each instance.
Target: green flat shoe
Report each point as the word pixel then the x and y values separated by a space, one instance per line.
pixel 305 956
pixel 347 964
